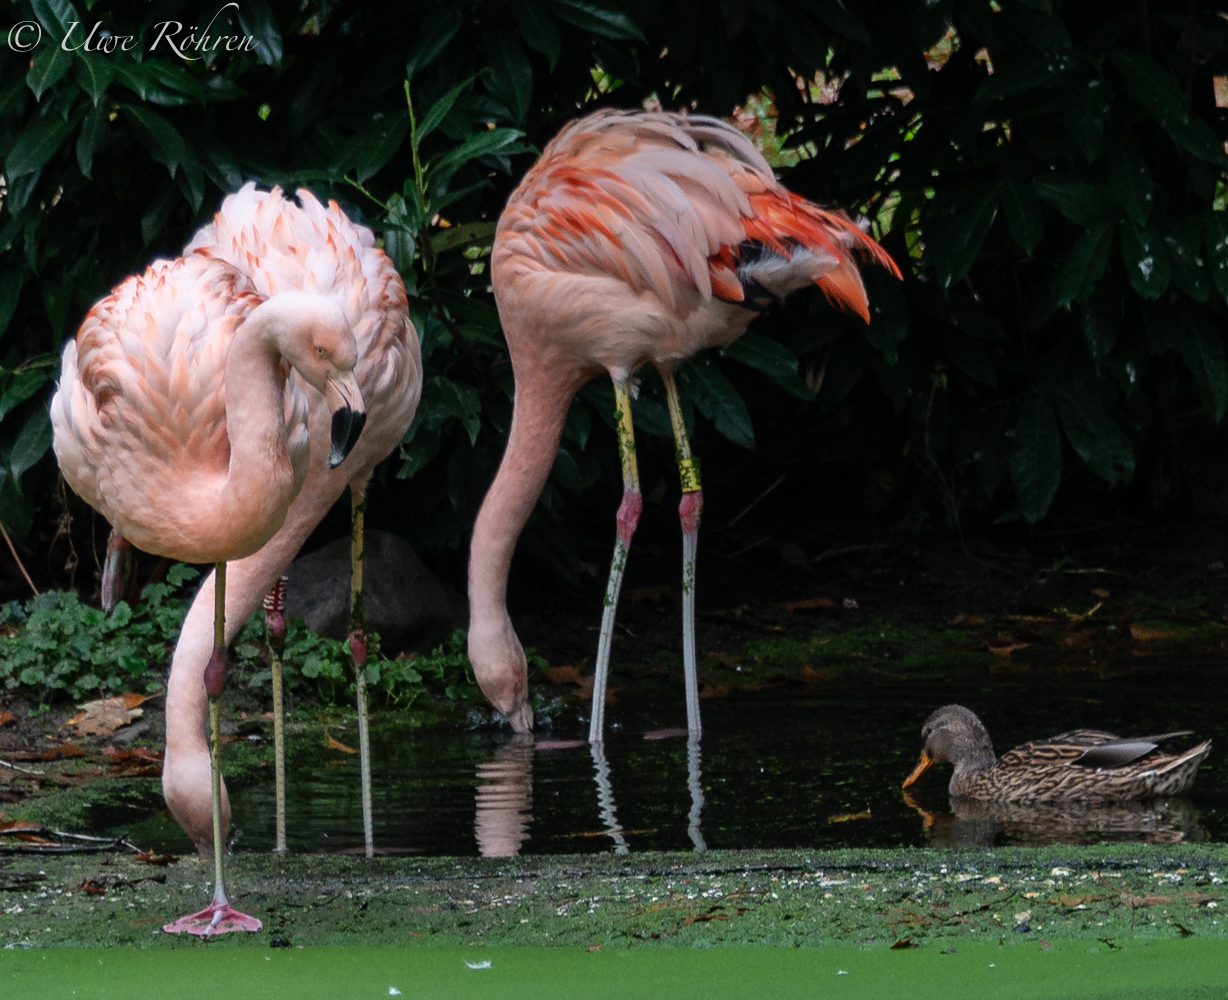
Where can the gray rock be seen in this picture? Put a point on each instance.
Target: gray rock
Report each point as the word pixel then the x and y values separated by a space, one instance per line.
pixel 129 733
pixel 404 602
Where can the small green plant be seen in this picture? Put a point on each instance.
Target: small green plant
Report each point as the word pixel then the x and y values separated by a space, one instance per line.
pixel 60 648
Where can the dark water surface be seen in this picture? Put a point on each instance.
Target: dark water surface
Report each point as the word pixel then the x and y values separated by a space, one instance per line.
pixel 817 766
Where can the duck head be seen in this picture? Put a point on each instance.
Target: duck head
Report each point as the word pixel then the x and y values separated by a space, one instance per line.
pixel 953 735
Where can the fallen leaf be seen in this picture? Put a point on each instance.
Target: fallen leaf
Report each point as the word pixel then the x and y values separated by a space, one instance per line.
pixel 136 753
pixel 6 717
pixel 595 947
pixel 89 887
pixel 810 602
pixel 708 689
pixel 963 619
pixel 1144 634
pixel 848 817
pixel 567 674
pixel 1099 592
pixel 337 745
pixel 729 659
pixel 103 717
pixel 1183 930
pixel 13 825
pixel 1006 648
pixel 149 858
pixel 812 676
pixel 703 918
pixel 907 943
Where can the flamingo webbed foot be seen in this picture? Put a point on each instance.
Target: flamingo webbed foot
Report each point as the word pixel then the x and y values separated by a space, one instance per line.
pixel 219 917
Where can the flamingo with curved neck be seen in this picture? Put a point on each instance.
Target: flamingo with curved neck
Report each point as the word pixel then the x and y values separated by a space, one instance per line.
pixel 177 417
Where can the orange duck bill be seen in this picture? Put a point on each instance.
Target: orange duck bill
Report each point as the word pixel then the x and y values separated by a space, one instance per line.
pixel 923 765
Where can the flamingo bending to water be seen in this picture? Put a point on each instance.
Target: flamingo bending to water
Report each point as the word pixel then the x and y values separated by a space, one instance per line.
pixel 280 245
pixel 179 417
pixel 637 238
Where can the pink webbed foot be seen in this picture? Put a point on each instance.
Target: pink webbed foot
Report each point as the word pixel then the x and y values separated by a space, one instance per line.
pixel 216 918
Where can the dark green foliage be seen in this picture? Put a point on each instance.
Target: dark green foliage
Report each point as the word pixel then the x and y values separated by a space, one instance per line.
pixel 1061 217
pixel 57 648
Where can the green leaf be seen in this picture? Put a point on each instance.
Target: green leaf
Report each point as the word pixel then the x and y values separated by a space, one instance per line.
pixel 466 234
pixel 511 80
pixel 373 148
pixel 475 146
pixel 1215 232
pixel 1183 243
pixel 718 400
pixel 1084 265
pixel 773 359
pixel 36 145
pixel 601 19
pixel 538 28
pixel 1145 258
pixel 432 37
pixel 1087 112
pixel 257 20
pixel 953 248
pixel 1101 321
pixel 57 16
pixel 48 68
pixel 95 73
pixel 1200 343
pixel 1095 436
pixel 837 16
pixel 32 443
pixel 1023 216
pixel 1129 178
pixel 10 293
pixel 439 110
pixel 165 144
pixel 1080 201
pixel 1157 92
pixel 1036 459
pixel 888 314
pixel 24 385
pixel 970 356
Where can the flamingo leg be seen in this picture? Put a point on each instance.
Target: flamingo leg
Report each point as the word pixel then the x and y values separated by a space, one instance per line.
pixel 218 917
pixel 689 511
pixel 358 650
pixel 628 517
pixel 275 622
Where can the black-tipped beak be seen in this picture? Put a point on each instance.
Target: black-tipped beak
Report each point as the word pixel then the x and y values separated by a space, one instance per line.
pixel 349 417
pixel 347 428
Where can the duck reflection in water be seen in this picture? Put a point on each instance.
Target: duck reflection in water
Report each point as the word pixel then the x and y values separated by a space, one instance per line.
pixel 505 799
pixel 972 822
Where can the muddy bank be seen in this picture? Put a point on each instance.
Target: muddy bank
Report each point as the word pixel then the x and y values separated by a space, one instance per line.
pixel 908 898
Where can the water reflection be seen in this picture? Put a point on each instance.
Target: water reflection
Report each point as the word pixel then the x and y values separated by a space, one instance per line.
pixel 605 798
pixel 504 799
pixel 976 823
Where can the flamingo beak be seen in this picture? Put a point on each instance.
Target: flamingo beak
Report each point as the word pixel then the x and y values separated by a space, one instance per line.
pixel 116 571
pixel 348 416
pixel 923 765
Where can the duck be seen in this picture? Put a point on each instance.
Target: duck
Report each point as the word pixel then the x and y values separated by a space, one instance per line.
pixel 1083 765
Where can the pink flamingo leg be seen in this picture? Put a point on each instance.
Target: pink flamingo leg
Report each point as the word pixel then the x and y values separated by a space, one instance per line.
pixel 689 511
pixel 628 517
pixel 219 917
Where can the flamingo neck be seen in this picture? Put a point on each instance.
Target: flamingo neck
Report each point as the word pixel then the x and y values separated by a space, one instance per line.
pixel 537 425
pixel 260 479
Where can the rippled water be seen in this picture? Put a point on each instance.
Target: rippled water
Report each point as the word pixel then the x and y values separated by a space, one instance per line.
pixel 806 767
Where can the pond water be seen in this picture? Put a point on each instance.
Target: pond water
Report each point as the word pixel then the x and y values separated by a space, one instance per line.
pixel 816 766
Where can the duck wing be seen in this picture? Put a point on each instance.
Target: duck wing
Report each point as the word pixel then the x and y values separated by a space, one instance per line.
pixel 1124 750
pixel 1061 749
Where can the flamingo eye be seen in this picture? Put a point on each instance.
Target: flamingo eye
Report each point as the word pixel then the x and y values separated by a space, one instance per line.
pixel 320 351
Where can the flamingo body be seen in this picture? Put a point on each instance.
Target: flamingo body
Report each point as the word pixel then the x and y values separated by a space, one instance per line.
pixel 140 416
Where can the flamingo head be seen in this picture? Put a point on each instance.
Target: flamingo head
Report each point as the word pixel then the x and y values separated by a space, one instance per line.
pixel 502 672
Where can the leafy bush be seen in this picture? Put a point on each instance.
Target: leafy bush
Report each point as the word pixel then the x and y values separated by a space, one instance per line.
pixel 57 647
pixel 1053 177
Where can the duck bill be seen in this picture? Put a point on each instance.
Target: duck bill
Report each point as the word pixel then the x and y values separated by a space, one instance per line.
pixel 348 416
pixel 923 765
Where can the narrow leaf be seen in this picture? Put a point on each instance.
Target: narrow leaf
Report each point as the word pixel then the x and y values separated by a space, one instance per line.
pixel 432 37
pixel 94 73
pixel 439 110
pixel 1036 459
pixel 165 144
pixel 601 19
pixel 1095 436
pixel 718 400
pixel 1145 258
pixel 1084 265
pixel 538 28
pixel 257 20
pixel 24 385
pixel 1024 217
pixel 31 444
pixel 38 143
pixel 47 69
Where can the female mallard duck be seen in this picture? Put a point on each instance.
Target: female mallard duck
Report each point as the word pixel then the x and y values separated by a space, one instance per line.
pixel 1083 765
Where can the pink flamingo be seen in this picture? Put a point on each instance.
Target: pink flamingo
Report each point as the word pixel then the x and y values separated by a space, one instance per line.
pixel 280 245
pixel 179 417
pixel 637 238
